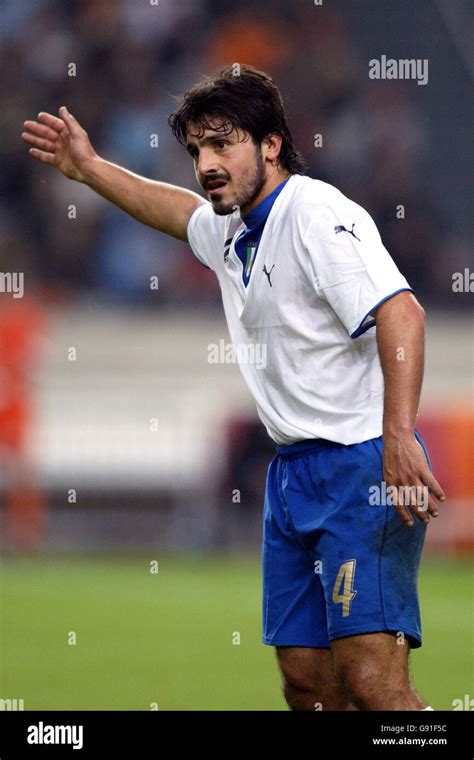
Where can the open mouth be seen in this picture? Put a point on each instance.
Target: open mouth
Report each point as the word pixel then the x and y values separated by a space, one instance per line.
pixel 214 187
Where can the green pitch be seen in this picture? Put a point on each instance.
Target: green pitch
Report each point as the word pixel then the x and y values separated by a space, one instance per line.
pixel 169 638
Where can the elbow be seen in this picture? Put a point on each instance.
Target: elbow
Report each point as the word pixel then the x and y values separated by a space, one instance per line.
pixel 418 318
pixel 417 309
pixel 421 313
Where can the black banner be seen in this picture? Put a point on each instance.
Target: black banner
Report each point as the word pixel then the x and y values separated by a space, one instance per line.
pixel 65 734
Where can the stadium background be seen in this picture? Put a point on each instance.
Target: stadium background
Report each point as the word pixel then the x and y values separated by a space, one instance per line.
pixel 132 469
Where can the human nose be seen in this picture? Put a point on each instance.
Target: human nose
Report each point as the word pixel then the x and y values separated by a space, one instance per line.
pixel 207 163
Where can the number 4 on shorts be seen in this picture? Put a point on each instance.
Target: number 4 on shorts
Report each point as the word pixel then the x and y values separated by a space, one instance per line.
pixel 345 581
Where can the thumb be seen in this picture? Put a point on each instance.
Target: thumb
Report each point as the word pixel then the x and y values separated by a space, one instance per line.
pixel 71 123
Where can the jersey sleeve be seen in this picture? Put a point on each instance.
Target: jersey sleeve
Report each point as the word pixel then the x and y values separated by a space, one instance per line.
pixel 351 268
pixel 206 232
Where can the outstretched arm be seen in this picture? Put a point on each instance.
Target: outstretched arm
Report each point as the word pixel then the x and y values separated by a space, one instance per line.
pixel 400 340
pixel 63 143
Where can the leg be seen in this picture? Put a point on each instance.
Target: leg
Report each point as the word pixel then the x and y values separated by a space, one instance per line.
pixel 308 679
pixel 294 608
pixel 373 669
pixel 369 571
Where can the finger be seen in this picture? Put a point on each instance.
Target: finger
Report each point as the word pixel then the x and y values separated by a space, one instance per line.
pixel 411 496
pixel 421 512
pixel 434 486
pixel 407 502
pixel 404 513
pixel 421 503
pixel 432 507
pixel 41 130
pixel 52 121
pixel 39 142
pixel 71 123
pixel 46 158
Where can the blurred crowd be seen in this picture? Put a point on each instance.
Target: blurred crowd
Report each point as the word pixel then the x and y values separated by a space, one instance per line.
pixel 129 59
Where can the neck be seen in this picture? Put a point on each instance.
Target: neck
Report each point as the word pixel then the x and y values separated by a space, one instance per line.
pixel 270 184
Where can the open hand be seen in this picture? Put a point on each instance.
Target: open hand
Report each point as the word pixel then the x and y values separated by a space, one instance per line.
pixel 61 142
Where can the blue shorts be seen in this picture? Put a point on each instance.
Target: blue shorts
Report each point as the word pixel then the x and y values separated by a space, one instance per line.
pixel 333 564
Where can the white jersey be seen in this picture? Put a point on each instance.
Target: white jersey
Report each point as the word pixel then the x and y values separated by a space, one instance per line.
pixel 319 270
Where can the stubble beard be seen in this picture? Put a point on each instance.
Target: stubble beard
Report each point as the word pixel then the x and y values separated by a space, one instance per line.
pixel 252 187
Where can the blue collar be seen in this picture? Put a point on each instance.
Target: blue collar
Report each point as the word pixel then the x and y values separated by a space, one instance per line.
pixel 258 215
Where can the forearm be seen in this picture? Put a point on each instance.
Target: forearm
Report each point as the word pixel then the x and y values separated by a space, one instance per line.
pixel 160 205
pixel 400 340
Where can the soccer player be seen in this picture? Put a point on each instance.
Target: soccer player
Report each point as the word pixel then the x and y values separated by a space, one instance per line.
pixel 305 276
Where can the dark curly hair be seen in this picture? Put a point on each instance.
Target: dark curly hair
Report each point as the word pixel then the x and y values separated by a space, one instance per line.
pixel 242 97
